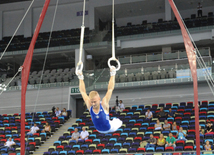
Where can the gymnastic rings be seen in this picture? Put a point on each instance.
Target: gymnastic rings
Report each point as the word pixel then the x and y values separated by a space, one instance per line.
pixel 117 61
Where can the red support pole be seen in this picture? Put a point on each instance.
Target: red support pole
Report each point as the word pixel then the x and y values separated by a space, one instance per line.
pixel 25 73
pixel 193 67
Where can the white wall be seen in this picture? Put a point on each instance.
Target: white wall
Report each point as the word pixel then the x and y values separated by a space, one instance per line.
pixel 66 17
pixel 11 20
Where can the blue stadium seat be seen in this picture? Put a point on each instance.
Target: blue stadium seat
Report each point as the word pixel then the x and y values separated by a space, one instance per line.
pixel 56 143
pixel 126 145
pixel 114 151
pixel 92 136
pixel 54 153
pixel 150 149
pixel 105 151
pixel 132 150
pixel 160 149
pixel 96 141
pixel 112 140
pixel 63 152
pixel 72 152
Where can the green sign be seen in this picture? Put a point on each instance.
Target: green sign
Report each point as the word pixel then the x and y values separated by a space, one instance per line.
pixel 75 90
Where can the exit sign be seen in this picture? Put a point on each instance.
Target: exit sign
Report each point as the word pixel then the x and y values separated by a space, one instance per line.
pixel 75 90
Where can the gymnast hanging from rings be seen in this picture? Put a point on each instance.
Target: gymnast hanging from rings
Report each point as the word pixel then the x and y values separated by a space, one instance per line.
pixel 99 109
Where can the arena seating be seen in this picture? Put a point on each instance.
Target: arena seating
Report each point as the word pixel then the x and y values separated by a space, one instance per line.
pixel 72 36
pixel 10 127
pixel 59 38
pixel 135 129
pixel 160 25
pixel 67 75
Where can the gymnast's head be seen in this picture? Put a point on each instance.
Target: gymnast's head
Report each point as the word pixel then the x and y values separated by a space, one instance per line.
pixel 95 99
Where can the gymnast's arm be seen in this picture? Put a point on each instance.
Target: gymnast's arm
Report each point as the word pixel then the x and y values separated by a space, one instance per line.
pixel 84 94
pixel 105 101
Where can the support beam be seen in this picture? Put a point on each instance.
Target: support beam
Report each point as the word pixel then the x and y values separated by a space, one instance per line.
pixel 26 71
pixel 190 50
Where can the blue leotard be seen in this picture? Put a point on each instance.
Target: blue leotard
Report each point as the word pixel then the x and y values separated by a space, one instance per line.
pixel 100 120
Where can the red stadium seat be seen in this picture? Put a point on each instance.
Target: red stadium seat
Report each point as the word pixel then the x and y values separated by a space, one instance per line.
pixel 178 118
pixel 54 118
pixel 82 124
pixel 27 130
pixel 154 105
pixel 60 148
pixel 5 121
pixel 138 139
pixel 168 104
pixel 100 146
pixel 203 113
pixel 7 128
pixel 14 128
pixel 98 151
pixel 126 110
pixel 36 135
pixel 187 114
pixel 141 150
pixel 3 140
pixel 180 110
pixel 188 148
pixel 116 135
pixel 17 140
pixel 150 128
pixel 80 152
pixel 180 143
pixel 18 120
pixel 189 103
pixel 170 148
pixel 88 141
pixel 32 146
pixel 95 131
pixel 137 124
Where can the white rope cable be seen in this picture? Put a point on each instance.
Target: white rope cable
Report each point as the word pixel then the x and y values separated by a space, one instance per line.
pixel 113 58
pixel 207 79
pixel 113 35
pixel 16 29
pixel 46 54
pixel 4 87
pixel 79 66
pixel 82 33
pixel 199 59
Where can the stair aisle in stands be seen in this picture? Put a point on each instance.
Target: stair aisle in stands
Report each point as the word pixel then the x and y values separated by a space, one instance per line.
pixel 54 137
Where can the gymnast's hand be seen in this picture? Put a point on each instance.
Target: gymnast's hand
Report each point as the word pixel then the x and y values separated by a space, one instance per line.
pixel 80 75
pixel 113 71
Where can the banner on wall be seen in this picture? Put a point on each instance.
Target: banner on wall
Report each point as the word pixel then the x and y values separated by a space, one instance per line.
pixel 186 73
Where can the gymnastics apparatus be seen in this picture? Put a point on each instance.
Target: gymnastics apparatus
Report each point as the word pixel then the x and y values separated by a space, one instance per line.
pixel 100 109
